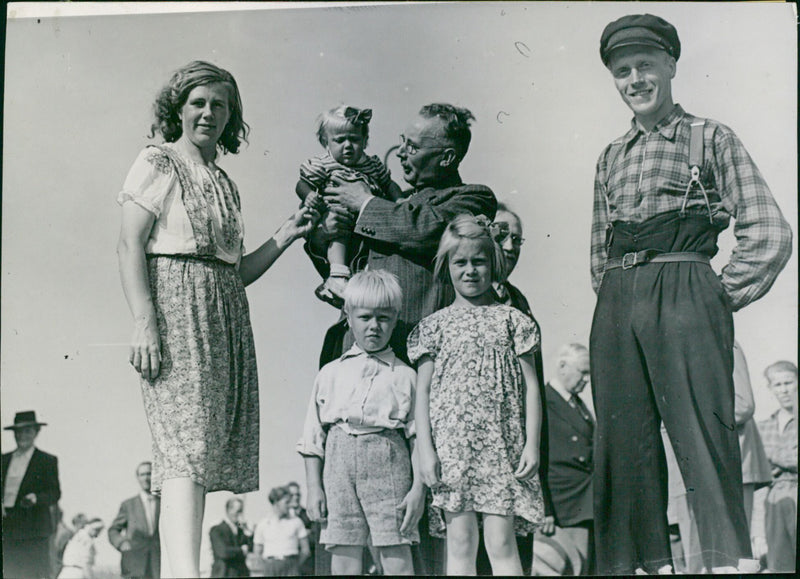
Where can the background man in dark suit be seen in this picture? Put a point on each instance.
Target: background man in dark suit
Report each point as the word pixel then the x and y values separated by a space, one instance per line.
pixel 402 237
pixel 30 488
pixel 134 532
pixel 571 432
pixel 230 542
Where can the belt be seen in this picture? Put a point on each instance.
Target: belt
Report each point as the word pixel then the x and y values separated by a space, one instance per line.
pixel 635 258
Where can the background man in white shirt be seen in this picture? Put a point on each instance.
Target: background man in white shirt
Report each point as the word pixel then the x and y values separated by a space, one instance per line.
pixel 281 540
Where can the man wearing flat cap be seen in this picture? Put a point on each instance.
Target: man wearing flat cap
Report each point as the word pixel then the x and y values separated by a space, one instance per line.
pixel 662 334
pixel 30 487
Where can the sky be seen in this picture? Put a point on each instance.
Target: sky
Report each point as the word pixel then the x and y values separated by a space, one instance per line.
pixel 77 110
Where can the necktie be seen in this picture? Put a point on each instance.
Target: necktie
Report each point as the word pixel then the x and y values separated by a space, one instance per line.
pixel 149 508
pixel 578 405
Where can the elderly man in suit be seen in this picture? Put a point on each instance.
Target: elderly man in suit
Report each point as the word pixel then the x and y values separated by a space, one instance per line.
pixel 402 237
pixel 134 532
pixel 30 488
pixel 571 434
pixel 230 542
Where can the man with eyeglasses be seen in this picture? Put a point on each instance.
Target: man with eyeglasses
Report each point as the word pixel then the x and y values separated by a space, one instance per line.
pixel 403 237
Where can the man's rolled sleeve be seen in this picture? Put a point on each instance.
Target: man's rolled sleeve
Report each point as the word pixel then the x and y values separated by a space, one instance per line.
pixel 599 224
pixel 763 237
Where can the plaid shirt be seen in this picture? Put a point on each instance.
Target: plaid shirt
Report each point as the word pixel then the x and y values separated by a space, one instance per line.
pixel 644 174
pixel 780 445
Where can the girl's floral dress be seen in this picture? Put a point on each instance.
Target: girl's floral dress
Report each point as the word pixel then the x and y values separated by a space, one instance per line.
pixel 477 407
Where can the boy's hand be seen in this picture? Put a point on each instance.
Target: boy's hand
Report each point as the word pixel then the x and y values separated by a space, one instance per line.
pixel 429 467
pixel 548 527
pixel 412 506
pixel 317 505
pixel 528 462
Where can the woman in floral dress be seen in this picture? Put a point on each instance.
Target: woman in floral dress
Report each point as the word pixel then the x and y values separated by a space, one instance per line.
pixel 183 272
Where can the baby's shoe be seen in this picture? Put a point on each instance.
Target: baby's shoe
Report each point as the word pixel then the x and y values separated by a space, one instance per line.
pixel 332 290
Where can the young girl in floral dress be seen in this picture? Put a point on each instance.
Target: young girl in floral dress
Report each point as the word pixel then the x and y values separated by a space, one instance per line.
pixel 478 411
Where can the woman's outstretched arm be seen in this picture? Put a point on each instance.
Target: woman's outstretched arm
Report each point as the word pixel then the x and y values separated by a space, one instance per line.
pixel 253 265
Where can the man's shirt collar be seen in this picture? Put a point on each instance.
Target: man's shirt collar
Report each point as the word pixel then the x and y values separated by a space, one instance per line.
pixel 24 454
pixel 667 126
pixel 783 418
pixel 557 386
pixel 231 525
pixel 386 356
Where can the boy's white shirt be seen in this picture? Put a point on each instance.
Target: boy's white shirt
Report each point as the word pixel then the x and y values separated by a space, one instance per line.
pixel 362 393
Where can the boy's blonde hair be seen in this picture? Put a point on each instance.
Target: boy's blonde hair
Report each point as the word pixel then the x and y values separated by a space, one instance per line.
pixel 462 227
pixel 373 288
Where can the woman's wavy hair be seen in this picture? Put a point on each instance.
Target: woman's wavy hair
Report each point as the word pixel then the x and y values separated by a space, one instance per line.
pixel 173 96
pixel 473 228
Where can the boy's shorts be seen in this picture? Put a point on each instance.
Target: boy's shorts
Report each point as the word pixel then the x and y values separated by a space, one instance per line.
pixel 365 478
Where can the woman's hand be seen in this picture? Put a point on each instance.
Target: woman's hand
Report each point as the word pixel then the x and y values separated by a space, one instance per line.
pixel 145 354
pixel 298 225
pixel 429 467
pixel 528 462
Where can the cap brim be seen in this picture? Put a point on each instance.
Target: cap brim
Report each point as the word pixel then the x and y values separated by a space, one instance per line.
pixel 634 42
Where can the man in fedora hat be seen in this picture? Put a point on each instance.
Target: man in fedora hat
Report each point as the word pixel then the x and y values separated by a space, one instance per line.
pixel 30 487
pixel 662 334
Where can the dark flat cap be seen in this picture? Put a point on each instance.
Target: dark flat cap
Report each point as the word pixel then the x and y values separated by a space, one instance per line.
pixel 640 30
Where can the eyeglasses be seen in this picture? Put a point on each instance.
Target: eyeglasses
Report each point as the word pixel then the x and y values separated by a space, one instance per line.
pixel 412 148
pixel 501 231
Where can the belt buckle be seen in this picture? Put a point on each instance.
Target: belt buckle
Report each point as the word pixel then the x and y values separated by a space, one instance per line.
pixel 629 260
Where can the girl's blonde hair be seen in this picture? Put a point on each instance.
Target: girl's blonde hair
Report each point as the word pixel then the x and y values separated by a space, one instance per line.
pixel 462 227
pixel 373 288
pixel 343 117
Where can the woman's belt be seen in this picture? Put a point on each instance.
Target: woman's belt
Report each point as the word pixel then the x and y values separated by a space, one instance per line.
pixel 636 258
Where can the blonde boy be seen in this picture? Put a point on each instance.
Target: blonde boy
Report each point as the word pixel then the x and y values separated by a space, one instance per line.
pixel 358 438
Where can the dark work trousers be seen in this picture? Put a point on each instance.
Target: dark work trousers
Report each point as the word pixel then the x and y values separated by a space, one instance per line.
pixel 662 349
